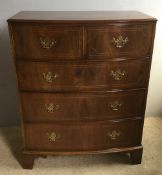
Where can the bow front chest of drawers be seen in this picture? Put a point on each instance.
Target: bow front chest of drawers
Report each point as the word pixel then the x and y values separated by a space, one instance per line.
pixel 82 80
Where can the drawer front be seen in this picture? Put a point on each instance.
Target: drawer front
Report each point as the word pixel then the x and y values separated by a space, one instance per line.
pixel 119 40
pixel 47 42
pixel 88 76
pixel 83 106
pixel 83 136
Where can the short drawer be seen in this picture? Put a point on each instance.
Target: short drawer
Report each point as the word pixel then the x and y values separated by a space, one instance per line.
pixel 83 136
pixel 82 106
pixel 119 40
pixel 83 76
pixel 47 42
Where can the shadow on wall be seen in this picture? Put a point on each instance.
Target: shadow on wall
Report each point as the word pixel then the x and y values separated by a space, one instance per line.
pixel 8 94
pixel 11 137
pixel 160 113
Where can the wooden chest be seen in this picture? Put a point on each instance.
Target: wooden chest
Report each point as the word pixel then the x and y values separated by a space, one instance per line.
pixel 82 81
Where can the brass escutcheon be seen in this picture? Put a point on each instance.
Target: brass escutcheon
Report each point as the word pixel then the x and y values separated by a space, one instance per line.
pixel 120 42
pixel 51 108
pixel 47 43
pixel 52 136
pixel 118 74
pixel 115 105
pixel 50 76
pixel 114 134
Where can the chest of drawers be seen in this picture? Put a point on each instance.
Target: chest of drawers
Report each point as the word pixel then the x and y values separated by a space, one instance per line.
pixel 82 81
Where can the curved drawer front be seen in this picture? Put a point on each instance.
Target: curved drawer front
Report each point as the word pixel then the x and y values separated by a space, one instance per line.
pixel 82 106
pixel 119 40
pixel 47 42
pixel 84 136
pixel 59 77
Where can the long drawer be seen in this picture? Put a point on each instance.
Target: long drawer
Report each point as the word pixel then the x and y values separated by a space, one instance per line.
pixel 82 106
pixel 83 76
pixel 83 136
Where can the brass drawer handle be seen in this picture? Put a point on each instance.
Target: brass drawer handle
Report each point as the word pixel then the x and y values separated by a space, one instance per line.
pixel 47 43
pixel 50 76
pixel 120 42
pixel 52 137
pixel 114 134
pixel 118 74
pixel 115 105
pixel 51 108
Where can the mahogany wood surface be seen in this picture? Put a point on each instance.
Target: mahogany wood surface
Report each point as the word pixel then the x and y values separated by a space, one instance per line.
pixel 136 156
pixel 85 106
pixel 99 43
pixel 68 41
pixel 104 151
pixel 79 16
pixel 82 80
pixel 27 161
pixel 83 76
pixel 83 136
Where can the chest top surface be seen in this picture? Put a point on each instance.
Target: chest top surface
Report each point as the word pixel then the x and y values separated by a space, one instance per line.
pixel 108 16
